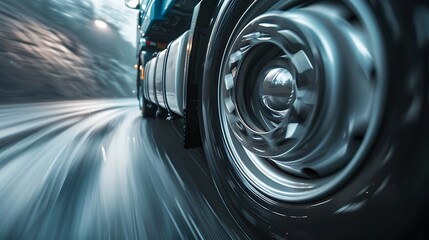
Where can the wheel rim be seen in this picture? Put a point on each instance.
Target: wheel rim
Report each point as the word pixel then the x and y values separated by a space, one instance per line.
pixel 287 77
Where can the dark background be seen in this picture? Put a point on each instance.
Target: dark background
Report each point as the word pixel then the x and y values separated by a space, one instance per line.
pixel 53 50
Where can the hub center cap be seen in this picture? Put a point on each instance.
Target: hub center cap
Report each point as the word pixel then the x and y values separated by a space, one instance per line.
pixel 278 90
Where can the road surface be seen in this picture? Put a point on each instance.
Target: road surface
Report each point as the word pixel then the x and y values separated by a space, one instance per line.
pixel 94 169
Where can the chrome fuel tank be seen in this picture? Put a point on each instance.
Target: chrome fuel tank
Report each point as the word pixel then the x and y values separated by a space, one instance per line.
pixel 146 80
pixel 165 80
pixel 160 78
pixel 151 81
pixel 175 84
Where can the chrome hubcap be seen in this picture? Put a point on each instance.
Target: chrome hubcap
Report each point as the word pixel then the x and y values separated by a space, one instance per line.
pixel 278 90
pixel 299 99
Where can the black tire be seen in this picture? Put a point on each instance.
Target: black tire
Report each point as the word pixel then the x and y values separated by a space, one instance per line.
pixel 383 189
pixel 147 109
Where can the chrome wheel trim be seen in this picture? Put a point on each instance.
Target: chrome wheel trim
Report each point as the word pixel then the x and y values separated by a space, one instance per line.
pixel 277 147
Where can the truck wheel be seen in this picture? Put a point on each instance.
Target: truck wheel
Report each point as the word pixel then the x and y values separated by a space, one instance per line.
pixel 147 109
pixel 315 117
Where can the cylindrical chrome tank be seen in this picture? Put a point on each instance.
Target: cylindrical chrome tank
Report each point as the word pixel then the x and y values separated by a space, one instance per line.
pixel 151 81
pixel 160 78
pixel 146 80
pixel 175 84
pixel 165 80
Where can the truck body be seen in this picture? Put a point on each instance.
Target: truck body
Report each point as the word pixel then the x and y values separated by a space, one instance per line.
pixel 163 36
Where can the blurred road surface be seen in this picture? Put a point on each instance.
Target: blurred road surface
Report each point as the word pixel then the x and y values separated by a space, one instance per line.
pixel 95 169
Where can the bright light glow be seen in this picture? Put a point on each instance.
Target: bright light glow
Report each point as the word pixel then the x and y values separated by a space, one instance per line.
pixel 100 24
pixel 103 151
pixel 132 3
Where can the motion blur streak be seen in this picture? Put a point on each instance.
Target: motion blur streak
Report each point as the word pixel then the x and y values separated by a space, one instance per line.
pixel 96 170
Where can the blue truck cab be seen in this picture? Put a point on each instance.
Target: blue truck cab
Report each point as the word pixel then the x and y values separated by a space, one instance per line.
pixel 160 21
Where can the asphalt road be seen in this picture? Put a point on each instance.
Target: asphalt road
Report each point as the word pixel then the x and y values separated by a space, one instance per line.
pixel 95 169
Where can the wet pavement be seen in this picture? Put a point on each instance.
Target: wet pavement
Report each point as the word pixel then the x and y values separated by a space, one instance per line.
pixel 96 170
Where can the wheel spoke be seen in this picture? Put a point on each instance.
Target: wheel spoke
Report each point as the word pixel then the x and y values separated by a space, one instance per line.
pixel 297 90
